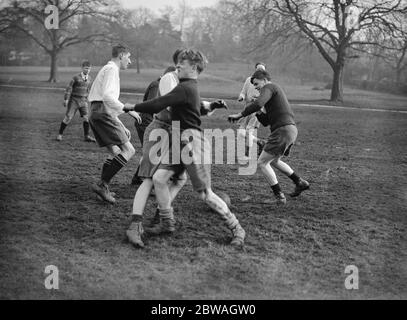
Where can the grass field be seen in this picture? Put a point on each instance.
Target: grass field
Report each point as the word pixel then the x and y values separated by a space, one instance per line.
pixel 354 214
pixel 219 81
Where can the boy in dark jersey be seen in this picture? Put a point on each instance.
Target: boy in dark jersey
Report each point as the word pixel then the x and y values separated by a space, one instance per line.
pixel 186 109
pixel 152 92
pixel 76 98
pixel 276 113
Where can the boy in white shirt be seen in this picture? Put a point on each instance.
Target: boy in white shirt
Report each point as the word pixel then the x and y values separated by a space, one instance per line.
pixel 108 130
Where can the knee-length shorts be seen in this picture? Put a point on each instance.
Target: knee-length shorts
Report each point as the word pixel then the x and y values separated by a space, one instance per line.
pixel 281 140
pixel 108 130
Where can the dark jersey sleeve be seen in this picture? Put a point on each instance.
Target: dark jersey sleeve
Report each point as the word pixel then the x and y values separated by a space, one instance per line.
pixel 152 91
pixel 90 81
pixel 69 88
pixel 172 99
pixel 265 95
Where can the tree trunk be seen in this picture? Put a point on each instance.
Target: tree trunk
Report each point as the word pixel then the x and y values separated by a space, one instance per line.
pixel 53 77
pixel 138 60
pixel 398 76
pixel 337 83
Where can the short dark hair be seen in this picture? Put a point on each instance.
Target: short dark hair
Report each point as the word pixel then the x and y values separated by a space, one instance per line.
pixel 176 54
pixel 194 57
pixel 260 75
pixel 85 63
pixel 118 49
pixel 169 69
pixel 257 63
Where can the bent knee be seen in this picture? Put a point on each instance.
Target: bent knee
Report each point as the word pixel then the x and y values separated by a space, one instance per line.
pixel 203 195
pixel 262 163
pixel 275 161
pixel 67 119
pixel 160 180
pixel 129 149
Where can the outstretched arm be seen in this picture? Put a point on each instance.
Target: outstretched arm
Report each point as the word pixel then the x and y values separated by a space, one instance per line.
pixel 265 95
pixel 207 108
pixel 174 98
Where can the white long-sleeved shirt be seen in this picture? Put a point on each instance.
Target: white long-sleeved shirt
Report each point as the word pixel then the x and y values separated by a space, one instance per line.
pixel 106 88
pixel 249 92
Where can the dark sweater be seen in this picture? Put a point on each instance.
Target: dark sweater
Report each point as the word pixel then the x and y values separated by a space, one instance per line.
pixel 151 93
pixel 184 101
pixel 78 87
pixel 278 110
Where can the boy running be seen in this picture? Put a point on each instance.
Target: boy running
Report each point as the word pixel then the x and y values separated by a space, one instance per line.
pixel 279 116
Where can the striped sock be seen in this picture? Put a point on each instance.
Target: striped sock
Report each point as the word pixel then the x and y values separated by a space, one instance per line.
pixel 110 170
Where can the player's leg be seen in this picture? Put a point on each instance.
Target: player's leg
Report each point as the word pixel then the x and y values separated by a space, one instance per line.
pixel 118 162
pixel 176 184
pixel 300 184
pixel 264 164
pixel 242 134
pixel 111 167
pixel 161 180
pixel 84 111
pixel 200 175
pixel 284 138
pixel 219 206
pixel 141 196
pixel 252 127
pixel 69 114
pixel 135 231
pixel 140 128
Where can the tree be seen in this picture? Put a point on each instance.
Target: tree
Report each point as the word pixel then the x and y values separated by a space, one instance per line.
pixel 334 27
pixel 135 28
pixel 168 38
pixel 29 16
pixel 391 46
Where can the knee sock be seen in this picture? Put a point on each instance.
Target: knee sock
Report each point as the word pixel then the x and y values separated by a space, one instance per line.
pixel 62 127
pixel 86 128
pixel 276 189
pixel 136 218
pixel 167 213
pixel 295 178
pixel 109 171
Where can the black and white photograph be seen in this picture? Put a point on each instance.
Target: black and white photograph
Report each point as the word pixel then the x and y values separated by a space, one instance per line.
pixel 220 152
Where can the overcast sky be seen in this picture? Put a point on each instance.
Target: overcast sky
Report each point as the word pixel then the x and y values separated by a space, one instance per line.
pixel 156 5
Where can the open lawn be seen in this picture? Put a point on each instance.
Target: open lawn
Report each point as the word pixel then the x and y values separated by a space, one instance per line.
pixel 219 81
pixel 354 214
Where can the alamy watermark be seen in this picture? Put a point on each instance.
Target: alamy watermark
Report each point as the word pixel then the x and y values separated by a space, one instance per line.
pixel 52 279
pixel 204 147
pixel 352 280
pixel 52 20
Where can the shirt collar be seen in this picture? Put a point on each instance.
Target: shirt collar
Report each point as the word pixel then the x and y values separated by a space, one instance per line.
pixel 84 77
pixel 114 64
